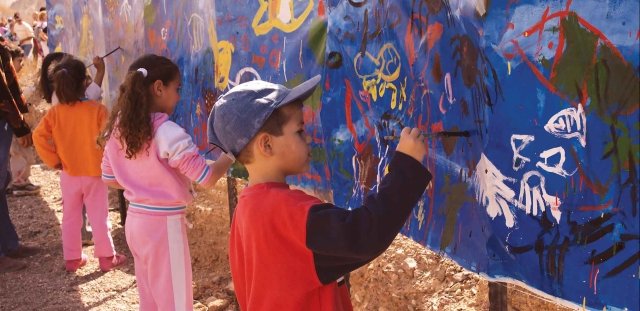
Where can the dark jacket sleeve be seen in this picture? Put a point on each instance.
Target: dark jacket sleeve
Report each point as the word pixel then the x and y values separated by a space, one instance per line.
pixel 343 240
pixel 11 102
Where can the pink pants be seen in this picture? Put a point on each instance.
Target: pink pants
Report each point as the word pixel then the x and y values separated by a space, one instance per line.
pixel 162 262
pixel 91 191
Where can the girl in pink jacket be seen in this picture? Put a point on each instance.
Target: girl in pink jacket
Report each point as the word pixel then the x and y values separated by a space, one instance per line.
pixel 155 161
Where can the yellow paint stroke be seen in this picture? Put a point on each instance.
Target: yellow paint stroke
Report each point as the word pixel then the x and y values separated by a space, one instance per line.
pixel 278 16
pixel 85 48
pixel 386 71
pixel 509 67
pixel 59 24
pixel 223 64
pixel 58 48
pixel 223 57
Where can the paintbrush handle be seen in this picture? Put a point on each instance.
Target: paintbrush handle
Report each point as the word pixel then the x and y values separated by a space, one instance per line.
pixel 436 134
pixel 113 51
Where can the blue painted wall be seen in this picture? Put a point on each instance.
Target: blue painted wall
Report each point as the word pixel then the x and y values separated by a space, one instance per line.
pixel 545 188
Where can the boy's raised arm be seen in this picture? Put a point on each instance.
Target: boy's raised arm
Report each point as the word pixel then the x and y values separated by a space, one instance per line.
pixel 343 240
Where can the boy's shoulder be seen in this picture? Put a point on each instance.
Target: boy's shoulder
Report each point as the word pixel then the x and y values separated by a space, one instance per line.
pixel 278 195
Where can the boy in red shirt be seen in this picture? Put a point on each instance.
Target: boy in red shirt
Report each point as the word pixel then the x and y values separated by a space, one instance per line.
pixel 289 250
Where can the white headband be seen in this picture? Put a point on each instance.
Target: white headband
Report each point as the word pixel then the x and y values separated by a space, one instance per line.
pixel 143 71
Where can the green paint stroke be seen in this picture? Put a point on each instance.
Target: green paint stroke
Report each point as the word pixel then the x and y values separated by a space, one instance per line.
pixel 149 14
pixel 319 154
pixel 314 101
pixel 317 39
pixel 456 196
pixel 573 66
pixel 614 87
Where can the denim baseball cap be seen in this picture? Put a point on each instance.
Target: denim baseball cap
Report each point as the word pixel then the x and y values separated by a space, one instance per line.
pixel 239 114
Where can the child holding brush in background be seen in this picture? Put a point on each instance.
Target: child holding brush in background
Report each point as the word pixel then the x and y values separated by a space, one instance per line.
pixel 93 91
pixel 66 140
pixel 93 86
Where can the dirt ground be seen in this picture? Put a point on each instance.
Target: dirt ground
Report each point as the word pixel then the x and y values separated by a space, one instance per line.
pixel 406 277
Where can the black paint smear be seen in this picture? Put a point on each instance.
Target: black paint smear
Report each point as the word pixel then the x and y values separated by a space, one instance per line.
pixel 551 257
pixel 519 249
pixel 357 4
pixel 633 182
pixel 605 255
pixel 334 60
pixel 598 234
pixel 363 44
pixel 629 237
pixel 624 265
pixel 588 227
pixel 564 248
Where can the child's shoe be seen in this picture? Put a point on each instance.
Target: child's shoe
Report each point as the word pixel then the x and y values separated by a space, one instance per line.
pixel 75 264
pixel 108 263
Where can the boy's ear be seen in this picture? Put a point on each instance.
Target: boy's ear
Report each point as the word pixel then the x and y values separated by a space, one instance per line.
pixel 263 143
pixel 157 88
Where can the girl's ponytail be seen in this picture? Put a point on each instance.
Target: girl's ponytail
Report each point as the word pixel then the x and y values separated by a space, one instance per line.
pixel 68 80
pixel 130 119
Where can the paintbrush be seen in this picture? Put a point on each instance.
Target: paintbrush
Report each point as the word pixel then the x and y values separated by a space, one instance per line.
pixel 444 134
pixel 113 51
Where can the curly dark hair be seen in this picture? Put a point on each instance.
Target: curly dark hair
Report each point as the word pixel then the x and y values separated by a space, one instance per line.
pixel 130 118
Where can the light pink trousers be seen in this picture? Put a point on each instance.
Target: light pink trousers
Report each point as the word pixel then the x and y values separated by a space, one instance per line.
pixel 91 191
pixel 162 261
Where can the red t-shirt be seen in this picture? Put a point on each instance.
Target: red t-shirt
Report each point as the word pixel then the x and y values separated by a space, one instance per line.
pixel 290 251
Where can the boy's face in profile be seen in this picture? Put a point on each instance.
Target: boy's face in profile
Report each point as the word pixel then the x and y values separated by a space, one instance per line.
pixel 291 150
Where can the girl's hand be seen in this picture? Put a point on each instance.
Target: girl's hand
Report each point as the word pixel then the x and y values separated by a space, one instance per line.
pixel 99 63
pixel 412 144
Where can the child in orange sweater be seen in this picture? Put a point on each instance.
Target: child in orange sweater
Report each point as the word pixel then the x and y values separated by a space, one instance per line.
pixel 66 139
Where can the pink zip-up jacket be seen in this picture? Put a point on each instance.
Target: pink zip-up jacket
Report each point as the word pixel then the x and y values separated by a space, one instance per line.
pixel 157 181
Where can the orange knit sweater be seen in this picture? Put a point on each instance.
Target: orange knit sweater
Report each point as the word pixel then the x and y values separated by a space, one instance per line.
pixel 67 136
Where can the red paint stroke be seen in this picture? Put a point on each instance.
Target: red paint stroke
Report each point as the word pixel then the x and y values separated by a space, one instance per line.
pixel 321 8
pixel 242 22
pixel 437 127
pixel 591 275
pixel 244 41
pixel 434 33
pixel 259 60
pixel 598 189
pixel 312 176
pixel 327 173
pixel 595 282
pixel 443 110
pixel 352 129
pixel 274 59
pixel 202 133
pixel 539 42
pixel 409 45
pixel 327 85
pixel 592 208
pixel 263 49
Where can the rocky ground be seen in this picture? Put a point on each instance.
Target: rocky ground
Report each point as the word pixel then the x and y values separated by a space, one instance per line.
pixel 406 277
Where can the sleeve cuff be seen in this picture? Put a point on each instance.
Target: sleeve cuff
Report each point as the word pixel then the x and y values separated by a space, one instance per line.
pixel 204 176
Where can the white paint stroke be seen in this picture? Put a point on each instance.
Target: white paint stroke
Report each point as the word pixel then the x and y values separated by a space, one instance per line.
pixel 569 123
pixel 558 167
